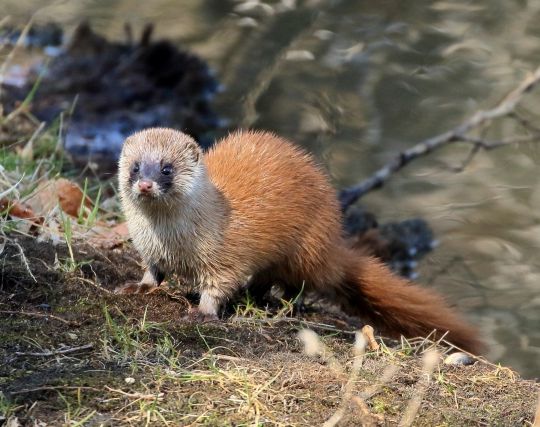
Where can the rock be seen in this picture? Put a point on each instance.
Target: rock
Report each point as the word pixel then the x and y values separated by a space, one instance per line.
pixel 458 358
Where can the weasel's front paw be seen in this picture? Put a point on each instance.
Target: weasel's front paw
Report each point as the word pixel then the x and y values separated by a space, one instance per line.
pixel 197 316
pixel 135 288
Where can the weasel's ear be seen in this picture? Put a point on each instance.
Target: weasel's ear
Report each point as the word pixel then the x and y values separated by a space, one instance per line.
pixel 195 151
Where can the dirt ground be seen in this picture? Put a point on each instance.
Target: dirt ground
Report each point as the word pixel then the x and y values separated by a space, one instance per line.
pixel 74 353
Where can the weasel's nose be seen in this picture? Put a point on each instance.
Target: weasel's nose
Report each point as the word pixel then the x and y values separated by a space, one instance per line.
pixel 145 186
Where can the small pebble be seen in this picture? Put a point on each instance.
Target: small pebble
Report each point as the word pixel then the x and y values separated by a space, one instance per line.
pixel 459 358
pixel 299 55
pixel 323 34
pixel 129 380
pixel 254 7
pixel 289 4
pixel 247 22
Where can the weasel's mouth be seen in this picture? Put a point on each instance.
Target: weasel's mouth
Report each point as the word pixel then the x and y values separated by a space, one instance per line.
pixel 146 196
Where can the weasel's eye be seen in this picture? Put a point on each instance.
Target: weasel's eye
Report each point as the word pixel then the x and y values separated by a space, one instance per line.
pixel 166 170
pixel 135 168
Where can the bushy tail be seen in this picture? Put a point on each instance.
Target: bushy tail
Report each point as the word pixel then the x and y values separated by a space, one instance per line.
pixel 400 307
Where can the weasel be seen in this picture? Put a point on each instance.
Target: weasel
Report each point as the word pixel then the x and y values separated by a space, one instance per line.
pixel 257 209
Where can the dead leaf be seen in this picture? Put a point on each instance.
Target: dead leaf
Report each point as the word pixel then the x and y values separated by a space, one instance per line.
pixel 110 237
pixel 121 230
pixel 62 191
pixel 70 197
pixel 19 210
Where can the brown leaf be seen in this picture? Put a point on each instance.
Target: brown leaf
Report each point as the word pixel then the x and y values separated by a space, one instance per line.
pixel 121 230
pixel 70 197
pixel 19 210
pixel 62 191
pixel 110 237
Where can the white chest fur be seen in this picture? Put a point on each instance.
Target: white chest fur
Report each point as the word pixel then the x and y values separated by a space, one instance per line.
pixel 176 242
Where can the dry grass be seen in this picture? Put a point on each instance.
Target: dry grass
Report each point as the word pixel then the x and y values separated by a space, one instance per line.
pixel 102 359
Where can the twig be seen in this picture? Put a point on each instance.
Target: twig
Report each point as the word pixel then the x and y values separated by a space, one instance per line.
pixel 303 323
pixel 96 285
pixel 57 352
pixel 25 261
pixel 524 122
pixel 27 153
pixel 366 413
pixel 158 396
pixel 11 189
pixel 474 151
pixel 430 361
pixel 384 379
pixel 490 145
pixel 359 351
pixel 51 316
pixel 368 333
pixel 313 346
pixel 504 108
pixel 536 422
pixel 11 54
pixel 53 388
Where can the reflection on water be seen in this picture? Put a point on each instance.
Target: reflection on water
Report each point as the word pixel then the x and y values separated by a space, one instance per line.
pixel 357 81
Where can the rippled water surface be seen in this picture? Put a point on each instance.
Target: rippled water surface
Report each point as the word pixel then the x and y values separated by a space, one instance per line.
pixel 358 81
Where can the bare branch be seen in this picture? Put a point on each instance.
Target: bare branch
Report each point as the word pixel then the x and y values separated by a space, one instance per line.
pixel 526 123
pixel 474 150
pixel 478 120
pixel 490 145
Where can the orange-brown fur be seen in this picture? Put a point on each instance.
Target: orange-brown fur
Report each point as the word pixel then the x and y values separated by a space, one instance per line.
pixel 258 209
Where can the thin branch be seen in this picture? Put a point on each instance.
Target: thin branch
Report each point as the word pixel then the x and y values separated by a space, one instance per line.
pixel 526 123
pixel 25 261
pixel 490 145
pixel 481 144
pixel 157 397
pixel 472 153
pixel 430 361
pixel 57 352
pixel 504 108
pixel 53 388
pixel 359 351
pixel 292 320
pixel 536 422
pixel 33 314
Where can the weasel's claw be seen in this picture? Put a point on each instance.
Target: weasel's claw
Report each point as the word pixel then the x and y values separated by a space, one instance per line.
pixel 196 316
pixel 134 288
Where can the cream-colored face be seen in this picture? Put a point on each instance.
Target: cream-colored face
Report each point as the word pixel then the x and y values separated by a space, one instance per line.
pixel 158 164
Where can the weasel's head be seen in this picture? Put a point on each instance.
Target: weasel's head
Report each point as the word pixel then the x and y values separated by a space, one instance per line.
pixel 159 165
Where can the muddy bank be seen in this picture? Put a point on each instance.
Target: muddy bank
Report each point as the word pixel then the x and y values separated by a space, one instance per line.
pixel 71 351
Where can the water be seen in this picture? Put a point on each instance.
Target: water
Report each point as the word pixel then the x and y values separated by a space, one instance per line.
pixel 356 82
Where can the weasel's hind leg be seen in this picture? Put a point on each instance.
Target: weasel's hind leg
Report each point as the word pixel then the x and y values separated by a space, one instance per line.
pixel 291 290
pixel 214 293
pixel 260 284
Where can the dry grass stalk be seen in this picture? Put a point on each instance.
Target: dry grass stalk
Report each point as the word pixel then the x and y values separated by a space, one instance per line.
pixel 368 332
pixel 313 346
pixel 359 351
pixel 431 358
pixel 385 378
pixel 11 54
pixel 536 422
